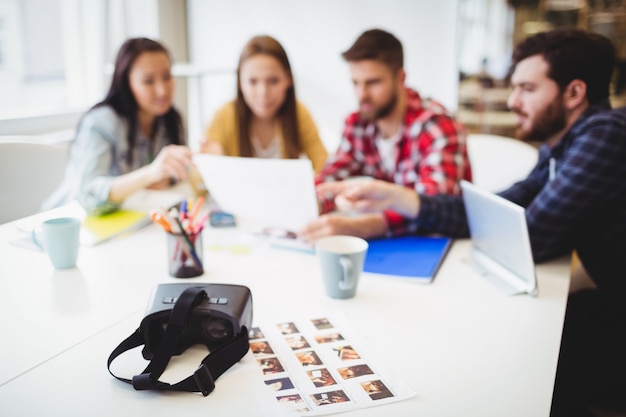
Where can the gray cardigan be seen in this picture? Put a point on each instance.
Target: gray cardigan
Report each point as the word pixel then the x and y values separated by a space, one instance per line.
pixel 97 156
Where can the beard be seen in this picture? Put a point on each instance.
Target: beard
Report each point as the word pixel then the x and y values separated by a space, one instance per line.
pixel 550 121
pixel 380 112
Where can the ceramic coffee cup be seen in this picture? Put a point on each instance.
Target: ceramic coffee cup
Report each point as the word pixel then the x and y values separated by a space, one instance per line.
pixel 341 259
pixel 60 240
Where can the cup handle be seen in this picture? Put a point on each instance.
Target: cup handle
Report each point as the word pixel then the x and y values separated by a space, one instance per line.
pixel 33 234
pixel 346 267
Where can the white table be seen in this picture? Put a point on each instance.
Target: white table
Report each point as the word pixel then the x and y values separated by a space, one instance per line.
pixel 463 347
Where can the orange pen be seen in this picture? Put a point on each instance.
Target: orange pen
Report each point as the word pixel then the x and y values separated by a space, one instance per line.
pixel 158 218
pixel 196 208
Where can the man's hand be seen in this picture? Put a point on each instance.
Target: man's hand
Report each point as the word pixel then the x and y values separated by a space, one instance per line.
pixel 362 225
pixel 369 196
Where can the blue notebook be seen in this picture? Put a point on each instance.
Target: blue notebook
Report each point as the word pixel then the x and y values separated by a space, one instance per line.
pixel 416 257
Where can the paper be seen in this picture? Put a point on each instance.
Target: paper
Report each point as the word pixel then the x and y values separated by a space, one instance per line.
pixel 318 366
pixel 278 192
pixel 417 257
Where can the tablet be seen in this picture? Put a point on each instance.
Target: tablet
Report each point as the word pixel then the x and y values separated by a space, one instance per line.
pixel 500 243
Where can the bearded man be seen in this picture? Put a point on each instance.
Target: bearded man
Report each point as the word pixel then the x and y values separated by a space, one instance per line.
pixel 575 199
pixel 395 136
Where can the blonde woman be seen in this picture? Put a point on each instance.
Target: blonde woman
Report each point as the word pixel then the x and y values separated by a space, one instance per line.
pixel 265 120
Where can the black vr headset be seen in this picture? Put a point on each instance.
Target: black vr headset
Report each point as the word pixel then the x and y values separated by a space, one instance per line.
pixel 218 316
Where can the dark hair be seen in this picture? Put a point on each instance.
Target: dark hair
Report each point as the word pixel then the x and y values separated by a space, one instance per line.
pixel 266 45
pixel 121 98
pixel 572 54
pixel 378 45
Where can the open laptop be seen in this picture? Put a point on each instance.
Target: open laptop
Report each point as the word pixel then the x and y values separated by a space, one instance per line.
pixel 500 243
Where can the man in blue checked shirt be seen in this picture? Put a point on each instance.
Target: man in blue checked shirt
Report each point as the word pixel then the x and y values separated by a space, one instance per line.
pixel 575 199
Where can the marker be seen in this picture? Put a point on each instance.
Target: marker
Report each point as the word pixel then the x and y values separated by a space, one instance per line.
pixel 200 225
pixel 173 216
pixel 183 210
pixel 196 208
pixel 160 220
pixel 191 247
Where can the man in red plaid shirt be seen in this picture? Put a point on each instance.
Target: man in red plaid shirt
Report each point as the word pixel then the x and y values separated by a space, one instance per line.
pixel 396 136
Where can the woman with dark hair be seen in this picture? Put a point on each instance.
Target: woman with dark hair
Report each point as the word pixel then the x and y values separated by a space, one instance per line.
pixel 265 120
pixel 133 139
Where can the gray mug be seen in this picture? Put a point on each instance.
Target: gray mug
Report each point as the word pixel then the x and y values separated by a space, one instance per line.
pixel 341 260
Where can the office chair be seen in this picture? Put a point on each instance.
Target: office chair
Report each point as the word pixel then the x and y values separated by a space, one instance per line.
pixel 29 172
pixel 499 161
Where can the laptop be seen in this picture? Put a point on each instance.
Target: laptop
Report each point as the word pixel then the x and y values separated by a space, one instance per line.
pixel 500 243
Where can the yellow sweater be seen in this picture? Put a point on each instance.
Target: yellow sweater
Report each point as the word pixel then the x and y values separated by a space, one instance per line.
pixel 223 129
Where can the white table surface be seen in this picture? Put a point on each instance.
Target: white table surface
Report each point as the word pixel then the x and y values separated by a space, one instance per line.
pixel 461 345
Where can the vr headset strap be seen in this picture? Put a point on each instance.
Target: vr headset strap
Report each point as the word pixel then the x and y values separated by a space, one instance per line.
pixel 212 366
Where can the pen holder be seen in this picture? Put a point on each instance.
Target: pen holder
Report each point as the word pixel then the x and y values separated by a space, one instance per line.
pixel 184 253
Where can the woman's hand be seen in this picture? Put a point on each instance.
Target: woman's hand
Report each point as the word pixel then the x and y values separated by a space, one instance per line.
pixel 211 147
pixel 172 162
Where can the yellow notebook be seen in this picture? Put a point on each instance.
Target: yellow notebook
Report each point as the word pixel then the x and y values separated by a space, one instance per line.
pixel 97 229
pixel 133 215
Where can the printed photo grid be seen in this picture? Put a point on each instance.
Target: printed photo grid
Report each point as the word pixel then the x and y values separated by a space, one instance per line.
pixel 313 367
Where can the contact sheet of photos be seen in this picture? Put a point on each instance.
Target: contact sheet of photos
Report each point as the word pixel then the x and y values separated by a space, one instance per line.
pixel 314 367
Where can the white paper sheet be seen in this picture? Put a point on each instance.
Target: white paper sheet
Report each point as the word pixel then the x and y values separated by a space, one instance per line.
pixel 278 192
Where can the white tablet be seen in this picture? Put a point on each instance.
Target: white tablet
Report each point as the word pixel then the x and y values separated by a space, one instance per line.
pixel 500 242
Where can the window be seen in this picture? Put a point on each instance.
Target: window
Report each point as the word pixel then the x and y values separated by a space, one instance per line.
pixel 33 73
pixel 50 60
pixel 2 43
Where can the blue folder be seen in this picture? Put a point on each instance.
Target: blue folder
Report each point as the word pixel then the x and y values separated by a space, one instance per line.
pixel 417 257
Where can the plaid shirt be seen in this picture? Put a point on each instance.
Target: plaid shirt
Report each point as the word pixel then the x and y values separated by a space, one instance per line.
pixel 583 207
pixel 432 155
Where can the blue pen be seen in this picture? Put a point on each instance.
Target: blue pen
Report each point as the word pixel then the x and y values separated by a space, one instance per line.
pixel 183 210
pixel 191 247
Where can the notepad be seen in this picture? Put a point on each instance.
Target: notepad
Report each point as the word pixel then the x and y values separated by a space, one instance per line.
pixel 132 216
pixel 97 229
pixel 415 257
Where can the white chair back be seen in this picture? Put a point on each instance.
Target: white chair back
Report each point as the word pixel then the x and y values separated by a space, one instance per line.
pixel 499 161
pixel 29 172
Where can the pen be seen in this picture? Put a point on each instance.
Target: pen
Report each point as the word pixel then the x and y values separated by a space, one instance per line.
pixel 173 216
pixel 160 220
pixel 196 208
pixel 200 225
pixel 192 249
pixel 183 210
